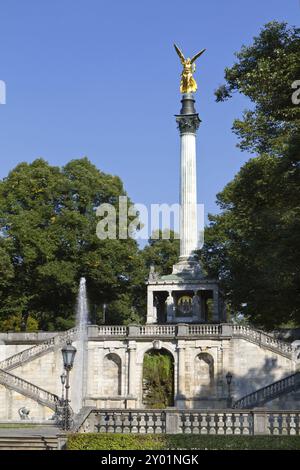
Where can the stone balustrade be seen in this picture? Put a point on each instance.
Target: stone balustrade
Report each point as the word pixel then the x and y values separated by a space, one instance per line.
pixel 219 331
pixel 158 330
pixel 275 389
pixel 261 338
pixel 28 354
pixel 212 422
pixel 108 330
pixel 28 389
pixel 224 330
pixel 206 330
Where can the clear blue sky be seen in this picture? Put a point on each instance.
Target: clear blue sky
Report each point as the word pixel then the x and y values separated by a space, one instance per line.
pixel 100 78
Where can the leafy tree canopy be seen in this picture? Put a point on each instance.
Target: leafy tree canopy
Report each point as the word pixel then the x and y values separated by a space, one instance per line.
pixel 265 72
pixel 162 252
pixel 253 244
pixel 48 241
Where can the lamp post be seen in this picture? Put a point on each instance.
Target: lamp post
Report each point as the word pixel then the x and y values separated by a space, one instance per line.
pixel 63 381
pixel 68 354
pixel 229 380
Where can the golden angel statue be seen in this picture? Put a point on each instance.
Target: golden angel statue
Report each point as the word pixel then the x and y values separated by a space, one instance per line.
pixel 188 83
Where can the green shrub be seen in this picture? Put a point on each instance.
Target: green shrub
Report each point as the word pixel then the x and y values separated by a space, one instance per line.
pixel 116 441
pixel 178 441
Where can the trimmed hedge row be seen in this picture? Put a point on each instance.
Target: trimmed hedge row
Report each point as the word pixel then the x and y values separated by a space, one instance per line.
pixel 179 441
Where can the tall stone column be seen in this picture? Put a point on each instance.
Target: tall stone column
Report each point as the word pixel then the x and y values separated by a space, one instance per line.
pixel 188 123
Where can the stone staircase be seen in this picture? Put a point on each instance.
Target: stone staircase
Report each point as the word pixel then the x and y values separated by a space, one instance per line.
pixel 28 443
pixel 23 386
pixel 35 437
pixel 263 395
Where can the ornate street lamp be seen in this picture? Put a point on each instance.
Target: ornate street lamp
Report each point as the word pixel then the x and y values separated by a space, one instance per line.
pixel 68 354
pixel 229 380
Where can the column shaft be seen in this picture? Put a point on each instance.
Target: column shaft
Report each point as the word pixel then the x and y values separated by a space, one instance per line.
pixel 188 196
pixel 132 370
pixel 181 371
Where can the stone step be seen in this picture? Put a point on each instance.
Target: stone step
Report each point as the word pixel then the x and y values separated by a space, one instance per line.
pixel 28 443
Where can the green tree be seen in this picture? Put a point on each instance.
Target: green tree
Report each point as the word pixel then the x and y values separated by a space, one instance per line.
pixel 253 244
pixel 158 379
pixel 264 73
pixel 48 227
pixel 162 252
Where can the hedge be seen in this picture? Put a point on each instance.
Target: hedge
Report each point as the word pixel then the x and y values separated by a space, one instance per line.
pixel 179 441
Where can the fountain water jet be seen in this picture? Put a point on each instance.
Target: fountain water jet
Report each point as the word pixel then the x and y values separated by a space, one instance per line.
pixel 82 314
pixel 82 306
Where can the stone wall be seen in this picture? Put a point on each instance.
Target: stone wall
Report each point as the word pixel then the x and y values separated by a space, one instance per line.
pixel 114 367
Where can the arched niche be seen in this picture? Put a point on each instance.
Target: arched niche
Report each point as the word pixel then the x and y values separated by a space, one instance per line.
pixel 111 380
pixel 203 374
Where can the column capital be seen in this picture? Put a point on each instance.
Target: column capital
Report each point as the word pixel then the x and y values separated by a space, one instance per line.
pixel 188 124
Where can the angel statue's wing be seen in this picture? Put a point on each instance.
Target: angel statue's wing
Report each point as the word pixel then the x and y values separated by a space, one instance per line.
pixel 179 52
pixel 197 55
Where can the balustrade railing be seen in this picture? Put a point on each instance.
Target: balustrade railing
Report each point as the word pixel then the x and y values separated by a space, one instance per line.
pixel 206 422
pixel 265 394
pixel 28 389
pixel 261 338
pixel 142 422
pixel 118 330
pixel 157 330
pixel 48 345
pixel 283 423
pixel 210 330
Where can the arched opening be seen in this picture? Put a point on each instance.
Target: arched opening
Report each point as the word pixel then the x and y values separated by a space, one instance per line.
pixel 158 379
pixel 204 374
pixel 111 375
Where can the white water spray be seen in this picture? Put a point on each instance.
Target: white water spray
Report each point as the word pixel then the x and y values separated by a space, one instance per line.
pixel 82 306
pixel 80 369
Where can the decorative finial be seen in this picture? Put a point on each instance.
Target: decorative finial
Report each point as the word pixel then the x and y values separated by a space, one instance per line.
pixel 188 83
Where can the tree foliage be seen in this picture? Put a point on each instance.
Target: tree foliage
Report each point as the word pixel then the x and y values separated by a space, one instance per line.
pixel 254 243
pixel 158 379
pixel 162 252
pixel 48 227
pixel 264 73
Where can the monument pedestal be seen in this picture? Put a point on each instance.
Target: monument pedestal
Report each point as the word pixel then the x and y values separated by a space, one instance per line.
pixel 185 296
